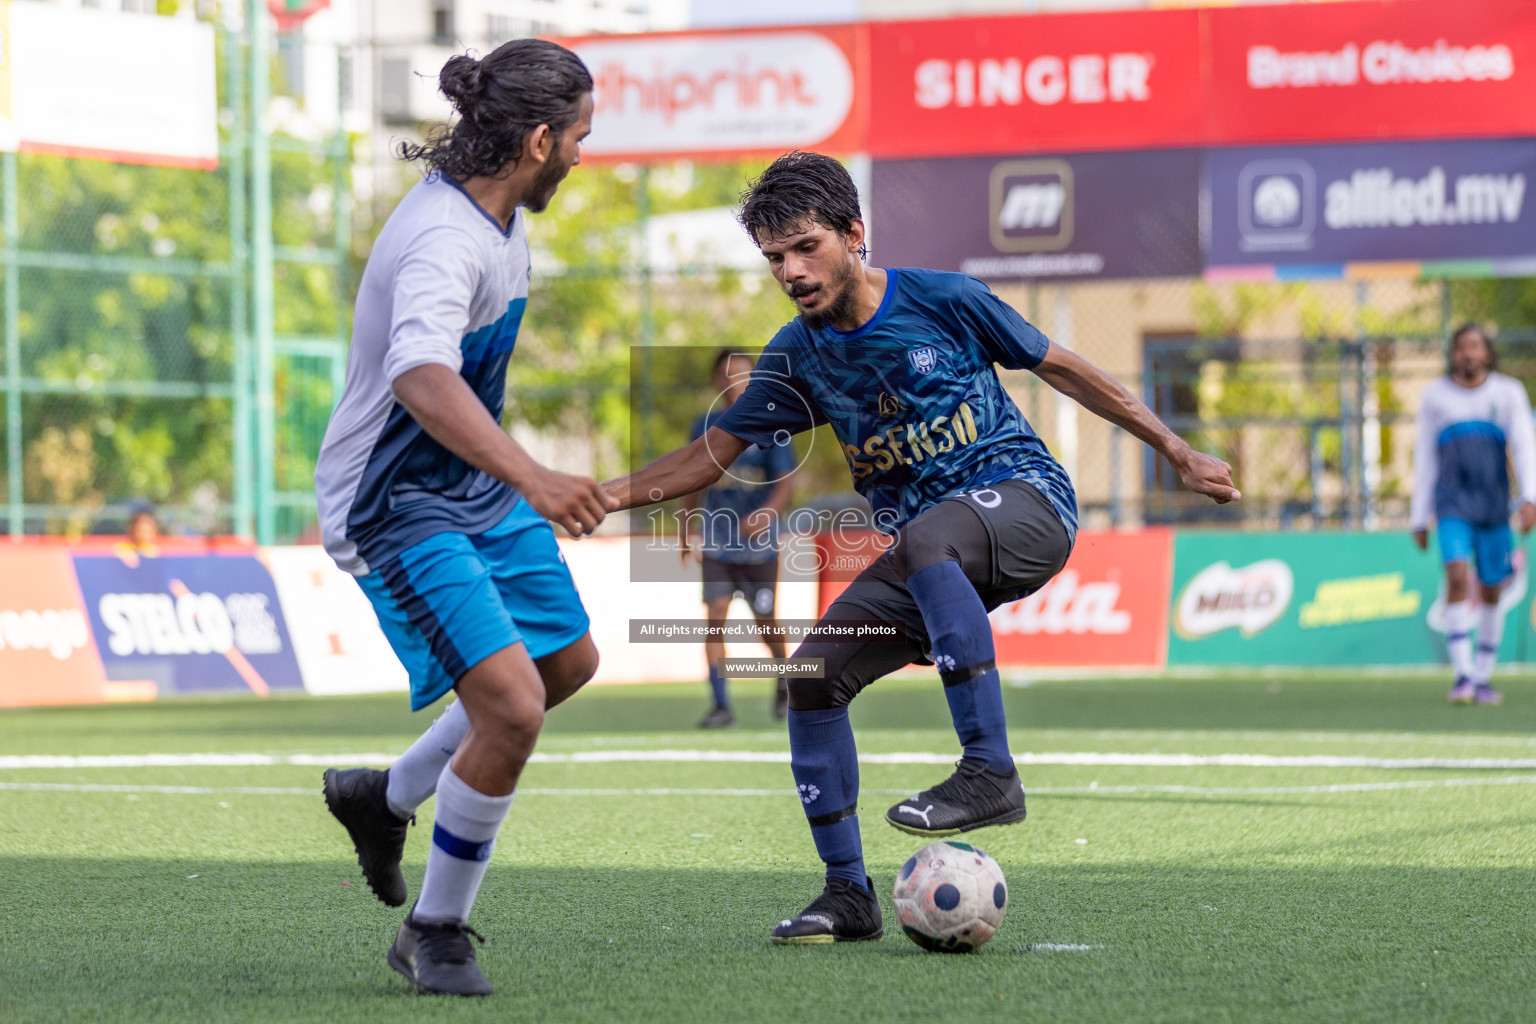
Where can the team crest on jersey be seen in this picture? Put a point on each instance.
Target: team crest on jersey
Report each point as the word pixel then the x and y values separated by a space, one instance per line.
pixel 923 359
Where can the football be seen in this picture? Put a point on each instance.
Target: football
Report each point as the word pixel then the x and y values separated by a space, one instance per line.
pixel 950 897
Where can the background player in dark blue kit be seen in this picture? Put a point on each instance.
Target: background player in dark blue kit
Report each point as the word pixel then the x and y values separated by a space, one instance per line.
pixel 901 365
pixel 739 534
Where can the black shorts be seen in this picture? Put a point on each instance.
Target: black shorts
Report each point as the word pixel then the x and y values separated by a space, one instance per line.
pixel 1009 542
pixel 754 581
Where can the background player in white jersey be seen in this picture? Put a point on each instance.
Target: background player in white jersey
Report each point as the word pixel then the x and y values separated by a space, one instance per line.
pixel 1472 423
pixel 439 514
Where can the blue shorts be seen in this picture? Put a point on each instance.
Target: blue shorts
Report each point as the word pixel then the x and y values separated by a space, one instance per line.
pixel 453 600
pixel 1492 546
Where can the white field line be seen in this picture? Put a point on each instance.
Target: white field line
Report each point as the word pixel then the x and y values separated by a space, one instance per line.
pixel 1058 947
pixel 785 792
pixel 1064 758
pixel 1155 736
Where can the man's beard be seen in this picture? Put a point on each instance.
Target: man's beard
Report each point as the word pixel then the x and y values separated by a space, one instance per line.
pixel 841 306
pixel 542 189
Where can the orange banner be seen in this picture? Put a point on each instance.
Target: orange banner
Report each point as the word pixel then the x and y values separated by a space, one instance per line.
pixel 46 652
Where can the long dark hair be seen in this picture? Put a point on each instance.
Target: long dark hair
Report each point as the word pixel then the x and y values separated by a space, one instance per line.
pixel 500 99
pixel 1467 328
pixel 796 188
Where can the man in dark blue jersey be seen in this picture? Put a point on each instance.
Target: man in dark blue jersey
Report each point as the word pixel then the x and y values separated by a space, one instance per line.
pixel 739 537
pixel 900 363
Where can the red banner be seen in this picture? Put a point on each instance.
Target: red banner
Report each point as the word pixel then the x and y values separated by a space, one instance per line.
pixel 1362 71
pixel 1043 83
pixel 1108 606
pixel 46 653
pixel 1058 83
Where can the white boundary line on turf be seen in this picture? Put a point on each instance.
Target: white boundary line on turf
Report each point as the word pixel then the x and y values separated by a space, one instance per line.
pixel 1058 947
pixel 1061 758
pixel 1348 787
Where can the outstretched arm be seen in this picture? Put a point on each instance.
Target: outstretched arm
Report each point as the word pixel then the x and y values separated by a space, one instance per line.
pixel 1102 395
pixel 453 416
pixel 688 469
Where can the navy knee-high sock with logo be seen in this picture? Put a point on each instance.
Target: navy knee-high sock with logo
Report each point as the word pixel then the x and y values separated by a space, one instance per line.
pixel 826 768
pixel 961 635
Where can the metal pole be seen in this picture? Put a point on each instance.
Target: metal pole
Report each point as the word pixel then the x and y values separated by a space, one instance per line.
pixel 239 298
pixel 647 313
pixel 257 30
pixel 15 520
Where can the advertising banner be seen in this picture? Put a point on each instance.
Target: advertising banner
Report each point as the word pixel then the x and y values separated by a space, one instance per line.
pixel 46 653
pixel 725 94
pixel 1359 71
pixel 1043 83
pixel 1108 606
pixel 1308 599
pixel 1387 201
pixel 335 631
pixel 209 622
pixel 1012 218
pixel 109 85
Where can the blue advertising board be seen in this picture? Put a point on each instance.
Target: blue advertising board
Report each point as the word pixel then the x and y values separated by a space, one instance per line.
pixel 1075 216
pixel 189 623
pixel 1374 202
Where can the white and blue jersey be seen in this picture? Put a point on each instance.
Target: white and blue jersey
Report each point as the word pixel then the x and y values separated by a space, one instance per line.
pixel 455 563
pixel 444 284
pixel 1467 438
pixel 913 395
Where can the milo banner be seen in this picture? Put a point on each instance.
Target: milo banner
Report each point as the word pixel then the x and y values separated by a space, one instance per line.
pixel 1316 599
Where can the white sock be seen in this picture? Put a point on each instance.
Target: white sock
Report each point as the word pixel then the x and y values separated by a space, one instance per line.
pixel 1490 632
pixel 1458 638
pixel 462 839
pixel 414 776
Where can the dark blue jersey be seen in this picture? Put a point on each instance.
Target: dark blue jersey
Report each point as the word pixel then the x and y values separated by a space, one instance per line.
pixel 741 490
pixel 913 396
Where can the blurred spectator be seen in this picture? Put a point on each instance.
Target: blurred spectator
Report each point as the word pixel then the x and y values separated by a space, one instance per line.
pixel 143 530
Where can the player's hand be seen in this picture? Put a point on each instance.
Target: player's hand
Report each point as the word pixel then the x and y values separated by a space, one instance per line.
pixel 1208 475
pixel 685 543
pixel 1421 538
pixel 577 503
pixel 1526 517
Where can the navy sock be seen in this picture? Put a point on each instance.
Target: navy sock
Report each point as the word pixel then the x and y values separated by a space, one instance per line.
pixel 717 687
pixel 826 767
pixel 961 635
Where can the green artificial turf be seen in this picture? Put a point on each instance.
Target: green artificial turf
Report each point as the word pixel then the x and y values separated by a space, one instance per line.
pixel 1228 894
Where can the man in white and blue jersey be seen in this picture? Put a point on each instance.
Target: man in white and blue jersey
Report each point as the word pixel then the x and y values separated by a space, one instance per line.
pixel 1472 424
pixel 900 364
pixel 440 515
pixel 739 538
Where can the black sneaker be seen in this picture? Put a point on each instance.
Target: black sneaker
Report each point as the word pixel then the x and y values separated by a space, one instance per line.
pixel 719 718
pixel 356 797
pixel 974 797
pixel 781 699
pixel 438 958
pixel 844 912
